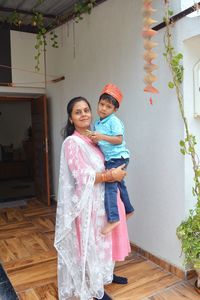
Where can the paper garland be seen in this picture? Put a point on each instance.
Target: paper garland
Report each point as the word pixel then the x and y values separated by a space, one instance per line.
pixel 148 33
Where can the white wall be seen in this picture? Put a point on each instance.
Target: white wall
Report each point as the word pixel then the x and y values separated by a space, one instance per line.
pixel 23 62
pixel 15 119
pixel 23 66
pixel 109 48
pixel 191 52
pixel 187 39
pixel 158 174
pixel 16 116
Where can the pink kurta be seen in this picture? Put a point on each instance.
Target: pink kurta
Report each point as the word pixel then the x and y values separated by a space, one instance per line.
pixel 85 256
pixel 120 240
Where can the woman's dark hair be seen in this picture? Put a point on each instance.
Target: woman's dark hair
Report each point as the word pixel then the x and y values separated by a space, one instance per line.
pixel 69 128
pixel 110 98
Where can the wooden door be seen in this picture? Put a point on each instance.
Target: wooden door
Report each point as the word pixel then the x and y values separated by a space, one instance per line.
pixel 40 145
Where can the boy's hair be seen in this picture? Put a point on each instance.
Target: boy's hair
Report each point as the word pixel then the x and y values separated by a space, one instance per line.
pixel 110 99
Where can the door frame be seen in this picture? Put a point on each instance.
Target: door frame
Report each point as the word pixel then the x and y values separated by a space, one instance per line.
pixel 5 97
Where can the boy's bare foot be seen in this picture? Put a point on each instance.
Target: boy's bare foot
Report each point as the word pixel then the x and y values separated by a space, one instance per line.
pixel 129 215
pixel 109 227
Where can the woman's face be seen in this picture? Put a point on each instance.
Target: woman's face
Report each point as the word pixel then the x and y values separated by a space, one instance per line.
pixel 81 116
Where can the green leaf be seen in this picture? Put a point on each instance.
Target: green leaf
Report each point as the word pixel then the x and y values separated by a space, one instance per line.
pixel 171 85
pixel 174 62
pixel 182 151
pixel 198 172
pixel 180 56
pixel 182 143
pixel 191 149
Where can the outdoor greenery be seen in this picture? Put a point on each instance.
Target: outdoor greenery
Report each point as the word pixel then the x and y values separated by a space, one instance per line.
pixel 81 7
pixel 189 230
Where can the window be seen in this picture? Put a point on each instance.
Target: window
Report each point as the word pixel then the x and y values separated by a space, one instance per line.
pixel 187 3
pixel 197 90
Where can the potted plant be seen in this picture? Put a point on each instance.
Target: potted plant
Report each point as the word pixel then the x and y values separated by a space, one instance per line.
pixel 189 230
pixel 189 234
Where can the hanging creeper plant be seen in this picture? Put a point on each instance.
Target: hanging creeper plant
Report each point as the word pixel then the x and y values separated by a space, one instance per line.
pixel 82 7
pixel 14 18
pixel 54 39
pixel 38 20
pixel 189 230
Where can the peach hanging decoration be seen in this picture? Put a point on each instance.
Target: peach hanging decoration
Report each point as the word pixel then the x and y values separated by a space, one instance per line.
pixel 147 1
pixel 148 44
pixel 149 21
pixel 148 33
pixel 149 56
pixel 150 89
pixel 148 11
pixel 149 78
pixel 149 67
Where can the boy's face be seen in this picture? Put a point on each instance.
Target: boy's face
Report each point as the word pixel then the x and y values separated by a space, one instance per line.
pixel 105 108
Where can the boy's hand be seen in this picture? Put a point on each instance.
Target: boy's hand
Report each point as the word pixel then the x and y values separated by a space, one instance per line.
pixel 94 136
pixel 97 136
pixel 88 132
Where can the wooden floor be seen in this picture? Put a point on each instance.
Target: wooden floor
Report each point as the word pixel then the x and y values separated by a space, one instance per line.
pixel 28 256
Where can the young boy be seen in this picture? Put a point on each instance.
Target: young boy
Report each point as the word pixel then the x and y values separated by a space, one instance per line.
pixel 109 133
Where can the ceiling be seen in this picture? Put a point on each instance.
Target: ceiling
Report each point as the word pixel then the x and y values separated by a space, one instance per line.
pixel 54 12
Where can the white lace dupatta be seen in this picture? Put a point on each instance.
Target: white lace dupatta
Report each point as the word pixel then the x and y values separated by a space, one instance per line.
pixel 84 256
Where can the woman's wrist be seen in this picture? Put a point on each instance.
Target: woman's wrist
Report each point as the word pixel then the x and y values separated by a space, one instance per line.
pixel 107 176
pixel 103 177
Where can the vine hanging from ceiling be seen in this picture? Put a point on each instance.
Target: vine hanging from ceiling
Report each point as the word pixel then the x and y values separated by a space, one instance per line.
pixel 80 8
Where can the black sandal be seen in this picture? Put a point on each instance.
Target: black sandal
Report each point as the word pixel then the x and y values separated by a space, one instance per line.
pixel 119 279
pixel 105 297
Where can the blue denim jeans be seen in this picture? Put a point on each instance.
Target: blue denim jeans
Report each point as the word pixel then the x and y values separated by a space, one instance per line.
pixel 111 189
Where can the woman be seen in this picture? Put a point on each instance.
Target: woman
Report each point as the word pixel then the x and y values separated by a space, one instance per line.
pixel 85 256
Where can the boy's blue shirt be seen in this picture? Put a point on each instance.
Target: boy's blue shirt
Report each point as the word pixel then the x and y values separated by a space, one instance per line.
pixel 111 126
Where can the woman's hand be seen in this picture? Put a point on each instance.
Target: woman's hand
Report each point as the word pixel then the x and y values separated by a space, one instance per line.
pixel 94 136
pixel 118 173
pixel 112 175
pixel 97 136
